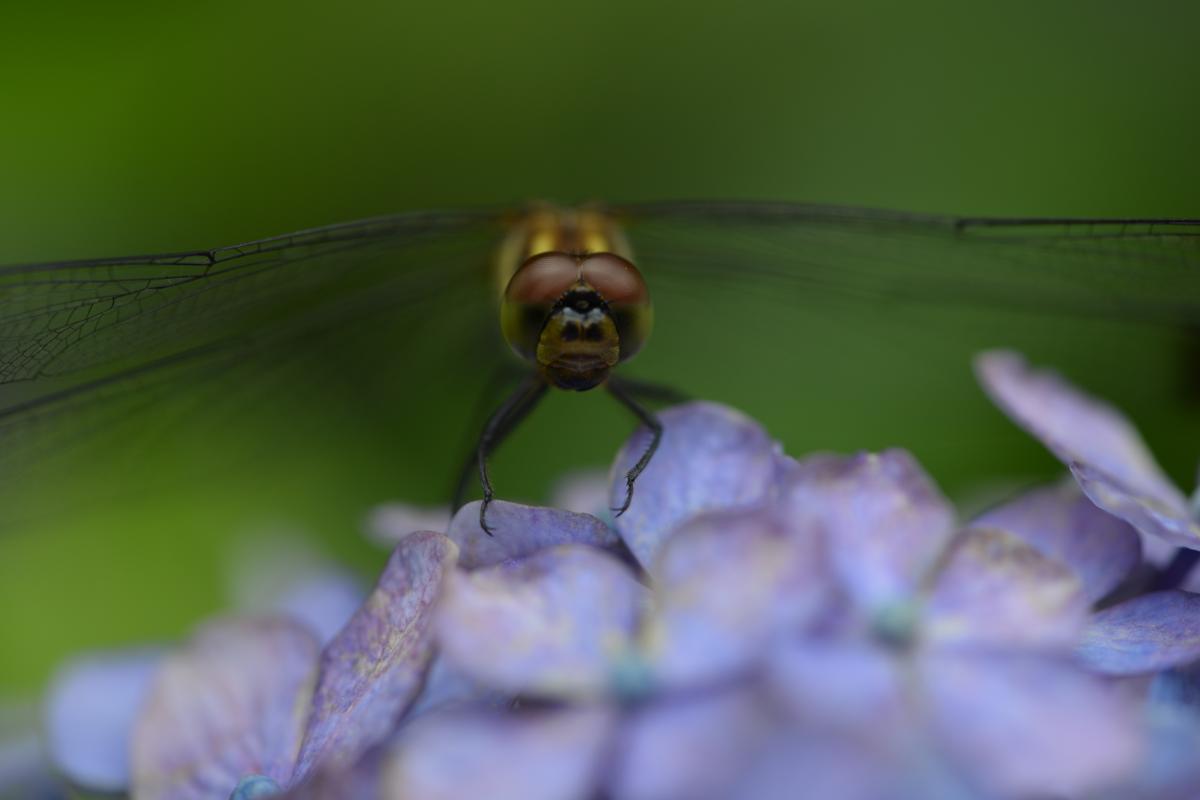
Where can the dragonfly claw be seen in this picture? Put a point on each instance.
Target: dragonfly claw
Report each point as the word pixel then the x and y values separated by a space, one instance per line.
pixel 483 507
pixel 629 479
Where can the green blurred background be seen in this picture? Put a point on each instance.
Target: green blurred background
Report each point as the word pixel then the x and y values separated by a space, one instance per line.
pixel 144 127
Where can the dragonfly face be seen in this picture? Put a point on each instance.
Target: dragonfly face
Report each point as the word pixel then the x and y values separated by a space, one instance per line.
pixel 575 317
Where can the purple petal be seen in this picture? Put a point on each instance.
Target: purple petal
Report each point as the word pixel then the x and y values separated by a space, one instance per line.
pixel 1087 433
pixel 1031 727
pixel 884 520
pixel 1062 523
pixel 361 780
pixel 284 573
pixel 90 711
pixel 373 669
pixel 231 703
pixel 548 755
pixel 689 748
pixel 711 458
pixel 552 624
pixel 726 585
pixel 519 531
pixel 387 524
pixel 324 601
pixel 1146 513
pixel 1146 634
pixel 1171 770
pixel 446 687
pixel 815 764
pixel 1074 425
pixel 853 685
pixel 996 589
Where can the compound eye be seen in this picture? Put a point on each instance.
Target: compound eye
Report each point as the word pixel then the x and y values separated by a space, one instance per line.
pixel 617 281
pixel 530 296
pixel 542 279
pixel 624 290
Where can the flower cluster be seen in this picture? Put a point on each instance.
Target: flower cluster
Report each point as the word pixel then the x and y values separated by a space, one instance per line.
pixel 755 626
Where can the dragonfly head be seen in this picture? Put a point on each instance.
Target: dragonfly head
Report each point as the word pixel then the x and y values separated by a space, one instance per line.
pixel 576 316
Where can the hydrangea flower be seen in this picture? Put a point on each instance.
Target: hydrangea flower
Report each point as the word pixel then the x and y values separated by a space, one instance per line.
pixel 794 602
pixel 251 705
pixel 94 700
pixel 753 627
pixel 1156 633
pixel 255 705
pixel 1114 468
pixel 1103 450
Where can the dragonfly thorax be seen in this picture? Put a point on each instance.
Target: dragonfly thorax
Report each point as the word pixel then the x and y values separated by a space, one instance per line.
pixel 575 317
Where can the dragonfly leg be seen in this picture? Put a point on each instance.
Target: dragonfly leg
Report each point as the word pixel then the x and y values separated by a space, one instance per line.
pixel 499 383
pixel 654 392
pixel 510 413
pixel 622 393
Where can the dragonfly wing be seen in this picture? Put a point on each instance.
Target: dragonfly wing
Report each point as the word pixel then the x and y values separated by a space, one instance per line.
pixel 1147 270
pixel 68 317
pixel 846 328
pixel 132 366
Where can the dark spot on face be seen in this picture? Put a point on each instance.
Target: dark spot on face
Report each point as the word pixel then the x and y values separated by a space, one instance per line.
pixel 570 332
pixel 581 300
pixel 593 333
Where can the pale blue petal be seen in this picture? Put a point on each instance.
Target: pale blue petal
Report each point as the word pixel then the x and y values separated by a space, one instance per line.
pixel 883 520
pixel 727 585
pixel 711 458
pixel 445 688
pixel 689 747
pixel 1031 726
pixel 1145 634
pixel 556 623
pixel 91 707
pixel 323 601
pixel 1103 449
pixel 230 703
pixel 994 590
pixel 519 531
pixel 547 755
pixel 815 763
pixel 1170 770
pixel 1062 523
pixel 852 685
pixel 1147 513
pixel 359 780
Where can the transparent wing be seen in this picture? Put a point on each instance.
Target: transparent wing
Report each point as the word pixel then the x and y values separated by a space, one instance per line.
pixel 65 318
pixel 849 329
pixel 1147 270
pixel 121 378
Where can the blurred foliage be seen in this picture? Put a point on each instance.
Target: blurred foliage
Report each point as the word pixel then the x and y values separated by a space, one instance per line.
pixel 144 127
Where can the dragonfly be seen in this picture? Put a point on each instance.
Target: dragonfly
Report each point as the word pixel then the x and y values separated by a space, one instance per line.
pixel 348 340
